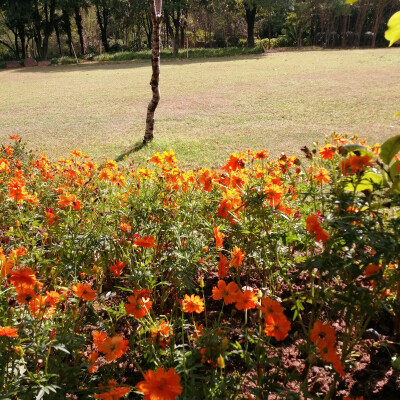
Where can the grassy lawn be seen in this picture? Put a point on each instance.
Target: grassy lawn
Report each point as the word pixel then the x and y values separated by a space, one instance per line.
pixel 209 107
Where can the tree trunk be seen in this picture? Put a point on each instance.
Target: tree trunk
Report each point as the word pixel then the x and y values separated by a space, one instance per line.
pixel 344 22
pixel 79 27
pixel 250 19
pixel 155 7
pixel 102 20
pixel 58 38
pixel 16 44
pixel 361 19
pixel 379 12
pixel 67 29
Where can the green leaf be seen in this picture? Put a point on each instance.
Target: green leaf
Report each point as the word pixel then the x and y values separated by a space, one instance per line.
pixel 394 171
pixel 397 114
pixel 389 149
pixel 351 2
pixel 369 181
pixel 393 32
pixel 357 147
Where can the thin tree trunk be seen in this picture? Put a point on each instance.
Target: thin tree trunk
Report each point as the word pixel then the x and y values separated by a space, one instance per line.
pixel 155 7
pixel 379 12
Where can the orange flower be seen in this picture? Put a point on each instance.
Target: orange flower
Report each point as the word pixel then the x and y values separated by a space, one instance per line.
pixel 92 358
pixel 246 300
pixel 117 268
pixel 226 292
pixel 99 337
pixel 145 241
pixel 372 269
pixel 8 331
pixel 138 306
pixel 261 154
pixel 169 158
pixel 113 347
pixel 160 385
pixel 219 236
pixel 156 159
pixel 105 174
pixel 355 164
pixel 320 175
pixel 222 266
pixel 9 150
pixel 39 307
pixel 274 194
pixel 84 291
pixel 323 333
pixel 52 298
pixel 14 137
pixel 277 325
pixel 235 162
pixel 237 256
pixel 193 304
pixel 206 179
pixel 23 277
pixel 327 152
pixel 69 200
pixel 52 218
pixel 114 393
pixel 313 227
pixel 269 306
pixel 124 226
pixel 160 334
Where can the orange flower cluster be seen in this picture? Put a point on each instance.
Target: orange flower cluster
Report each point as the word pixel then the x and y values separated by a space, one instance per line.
pixel 314 228
pixel 139 304
pixel 355 164
pixel 324 337
pixel 160 385
pixel 193 304
pixel 276 323
pixel 113 347
pixel 17 190
pixel 7 262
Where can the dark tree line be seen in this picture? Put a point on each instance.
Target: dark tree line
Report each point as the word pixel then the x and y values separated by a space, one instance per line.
pixel 127 24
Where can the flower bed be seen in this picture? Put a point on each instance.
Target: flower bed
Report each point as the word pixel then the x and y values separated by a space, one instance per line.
pixel 267 279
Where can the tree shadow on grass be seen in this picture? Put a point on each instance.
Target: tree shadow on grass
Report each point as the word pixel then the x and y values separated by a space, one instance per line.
pixel 130 64
pixel 139 145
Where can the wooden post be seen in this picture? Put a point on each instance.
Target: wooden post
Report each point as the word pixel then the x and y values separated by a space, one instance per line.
pixel 155 8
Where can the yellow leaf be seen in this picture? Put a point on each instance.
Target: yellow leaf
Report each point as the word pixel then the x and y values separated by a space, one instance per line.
pixel 393 32
pixel 351 1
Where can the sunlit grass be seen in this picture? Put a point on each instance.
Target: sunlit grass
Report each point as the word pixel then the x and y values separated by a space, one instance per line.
pixel 208 108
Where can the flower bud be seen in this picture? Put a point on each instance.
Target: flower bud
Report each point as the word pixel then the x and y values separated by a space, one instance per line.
pixel 221 362
pixel 201 283
pixel 19 351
